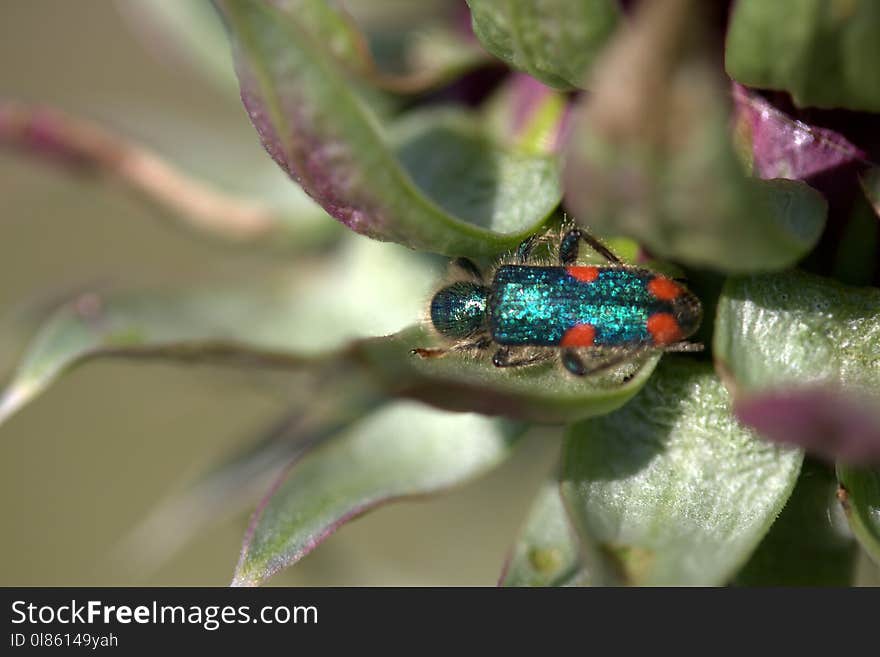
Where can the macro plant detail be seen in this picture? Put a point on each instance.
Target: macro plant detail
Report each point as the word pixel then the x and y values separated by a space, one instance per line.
pixel 733 187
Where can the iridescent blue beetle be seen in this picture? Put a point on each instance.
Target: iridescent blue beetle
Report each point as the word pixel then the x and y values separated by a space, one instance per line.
pixel 592 318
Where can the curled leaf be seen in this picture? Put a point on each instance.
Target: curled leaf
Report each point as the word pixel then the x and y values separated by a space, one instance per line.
pixel 670 489
pixel 399 451
pixel 783 147
pixel 321 133
pixel 555 42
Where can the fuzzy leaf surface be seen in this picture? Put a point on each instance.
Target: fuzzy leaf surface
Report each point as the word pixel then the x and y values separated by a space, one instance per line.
pixel 670 489
pixel 797 329
pixel 801 354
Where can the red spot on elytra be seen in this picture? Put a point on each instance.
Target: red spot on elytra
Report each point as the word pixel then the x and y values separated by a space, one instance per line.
pixel 579 335
pixel 664 328
pixel 583 274
pixel 663 288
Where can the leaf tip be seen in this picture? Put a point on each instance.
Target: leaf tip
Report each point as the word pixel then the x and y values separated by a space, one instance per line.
pixel 244 580
pixel 14 398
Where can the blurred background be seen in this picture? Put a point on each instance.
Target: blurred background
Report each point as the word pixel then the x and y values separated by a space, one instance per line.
pixel 85 464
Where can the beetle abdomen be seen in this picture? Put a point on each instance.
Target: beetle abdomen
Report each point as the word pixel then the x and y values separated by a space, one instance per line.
pixel 577 307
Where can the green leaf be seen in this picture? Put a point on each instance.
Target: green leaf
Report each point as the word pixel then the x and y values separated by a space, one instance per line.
pixel 367 289
pixel 809 544
pixel 650 156
pixel 441 148
pixel 400 451
pixel 670 489
pixel 527 115
pixel 860 498
pixel 556 42
pixel 319 131
pixel 801 354
pixel 823 52
pixel 855 260
pixel 797 329
pixel 342 316
pixel 542 393
pixel 415 46
pixel 546 552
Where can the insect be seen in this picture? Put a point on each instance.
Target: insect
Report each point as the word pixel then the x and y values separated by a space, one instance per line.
pixel 592 318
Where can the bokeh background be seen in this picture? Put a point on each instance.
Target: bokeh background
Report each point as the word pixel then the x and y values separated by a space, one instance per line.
pixel 85 464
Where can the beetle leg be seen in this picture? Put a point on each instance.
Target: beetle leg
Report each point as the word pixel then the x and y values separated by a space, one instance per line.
pixel 570 245
pixel 504 357
pixel 424 352
pixel 469 267
pixel 524 250
pixel 575 363
pixel 482 342
pixel 684 347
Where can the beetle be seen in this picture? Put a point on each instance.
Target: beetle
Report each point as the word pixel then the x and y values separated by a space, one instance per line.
pixel 591 317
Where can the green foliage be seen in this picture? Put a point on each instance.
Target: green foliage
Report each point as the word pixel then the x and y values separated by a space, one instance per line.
pixel 671 472
pixel 324 319
pixel 315 126
pixel 831 333
pixel 555 42
pixel 287 323
pixel 671 489
pixel 807 545
pixel 459 382
pixel 821 51
pixel 546 551
pixel 860 498
pixel 401 450
pixel 654 160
